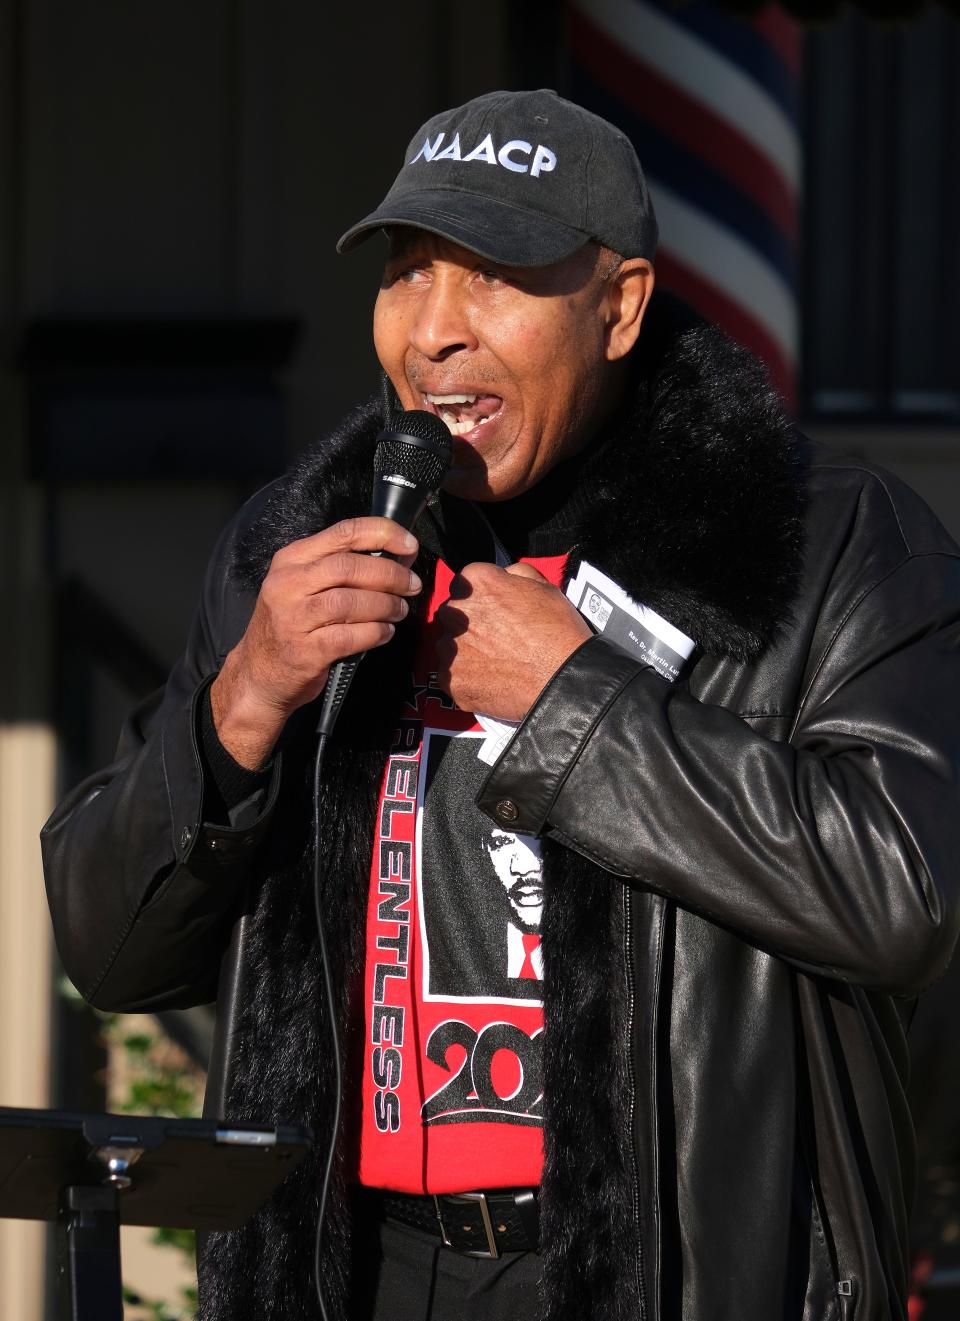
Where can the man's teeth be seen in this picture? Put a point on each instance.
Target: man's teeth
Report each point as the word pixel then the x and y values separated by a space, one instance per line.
pixel 455 426
pixel 461 428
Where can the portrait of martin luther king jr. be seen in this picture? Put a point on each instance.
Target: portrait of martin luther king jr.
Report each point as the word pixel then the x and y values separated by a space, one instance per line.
pixel 481 941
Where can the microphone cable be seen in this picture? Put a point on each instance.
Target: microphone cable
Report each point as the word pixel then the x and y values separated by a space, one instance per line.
pixel 411 460
pixel 331 1024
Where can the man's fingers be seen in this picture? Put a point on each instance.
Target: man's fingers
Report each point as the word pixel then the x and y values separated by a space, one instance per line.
pixel 342 640
pixel 346 605
pixel 476 577
pixel 521 570
pixel 479 575
pixel 452 621
pixel 367 534
pixel 365 572
pixel 351 534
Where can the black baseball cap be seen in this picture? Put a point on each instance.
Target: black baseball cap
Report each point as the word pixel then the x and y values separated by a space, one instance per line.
pixel 521 178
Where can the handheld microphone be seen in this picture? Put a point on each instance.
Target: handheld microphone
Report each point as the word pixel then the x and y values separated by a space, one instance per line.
pixel 409 465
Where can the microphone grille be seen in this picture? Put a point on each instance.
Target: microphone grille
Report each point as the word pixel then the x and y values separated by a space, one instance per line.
pixel 421 425
pixel 417 446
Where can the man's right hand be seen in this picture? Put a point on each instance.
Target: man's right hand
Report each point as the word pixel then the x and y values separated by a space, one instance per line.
pixel 323 599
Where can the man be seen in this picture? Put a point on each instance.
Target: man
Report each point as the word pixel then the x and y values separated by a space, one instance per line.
pixel 747 874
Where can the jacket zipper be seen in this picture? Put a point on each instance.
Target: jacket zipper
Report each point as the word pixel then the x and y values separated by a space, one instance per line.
pixel 628 973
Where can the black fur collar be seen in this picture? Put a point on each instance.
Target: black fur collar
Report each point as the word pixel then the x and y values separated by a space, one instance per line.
pixel 697 509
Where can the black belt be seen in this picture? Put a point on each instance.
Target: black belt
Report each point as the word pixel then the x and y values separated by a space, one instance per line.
pixel 476 1224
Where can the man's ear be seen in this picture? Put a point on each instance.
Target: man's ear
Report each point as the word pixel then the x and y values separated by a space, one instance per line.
pixel 628 296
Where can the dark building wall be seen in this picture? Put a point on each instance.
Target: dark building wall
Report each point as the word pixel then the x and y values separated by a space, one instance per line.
pixel 192 160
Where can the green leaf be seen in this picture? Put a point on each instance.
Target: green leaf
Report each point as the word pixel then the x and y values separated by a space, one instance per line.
pixel 139 1043
pixel 184 1240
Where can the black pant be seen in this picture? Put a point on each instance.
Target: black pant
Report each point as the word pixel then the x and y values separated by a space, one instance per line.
pixel 404 1274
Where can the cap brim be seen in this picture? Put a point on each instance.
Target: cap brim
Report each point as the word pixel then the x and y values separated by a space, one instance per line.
pixel 505 234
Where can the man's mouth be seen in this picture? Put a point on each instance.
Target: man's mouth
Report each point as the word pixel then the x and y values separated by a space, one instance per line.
pixel 464 413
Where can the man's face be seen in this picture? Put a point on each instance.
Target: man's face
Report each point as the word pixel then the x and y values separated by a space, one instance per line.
pixel 519 870
pixel 514 360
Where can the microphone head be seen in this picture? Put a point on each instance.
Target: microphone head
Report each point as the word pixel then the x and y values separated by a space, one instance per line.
pixel 417 448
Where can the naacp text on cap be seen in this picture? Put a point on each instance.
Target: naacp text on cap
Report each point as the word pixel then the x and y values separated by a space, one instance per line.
pixel 544 160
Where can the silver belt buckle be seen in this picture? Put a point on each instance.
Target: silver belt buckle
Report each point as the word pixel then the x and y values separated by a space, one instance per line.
pixel 481 1198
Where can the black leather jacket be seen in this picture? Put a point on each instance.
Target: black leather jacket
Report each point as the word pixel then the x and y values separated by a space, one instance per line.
pixel 749 874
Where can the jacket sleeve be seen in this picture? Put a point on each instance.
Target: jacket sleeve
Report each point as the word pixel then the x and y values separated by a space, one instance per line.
pixel 142 892
pixel 836 849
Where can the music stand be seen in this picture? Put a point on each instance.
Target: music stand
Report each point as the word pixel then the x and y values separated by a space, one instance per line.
pixel 92 1172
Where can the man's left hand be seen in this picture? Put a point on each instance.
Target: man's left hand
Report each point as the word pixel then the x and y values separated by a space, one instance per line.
pixel 505 634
